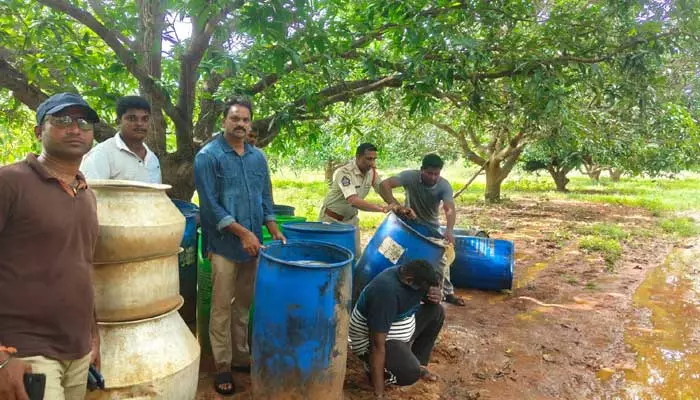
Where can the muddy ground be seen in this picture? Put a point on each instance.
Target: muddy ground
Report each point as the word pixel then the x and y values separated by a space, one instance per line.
pixel 559 334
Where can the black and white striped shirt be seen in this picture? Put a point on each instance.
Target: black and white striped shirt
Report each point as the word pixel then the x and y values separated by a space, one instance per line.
pixel 385 306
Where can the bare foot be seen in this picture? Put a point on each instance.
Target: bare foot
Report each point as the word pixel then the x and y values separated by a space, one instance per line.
pixel 427 375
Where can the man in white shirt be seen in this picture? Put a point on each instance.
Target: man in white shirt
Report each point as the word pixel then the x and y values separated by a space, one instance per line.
pixel 125 156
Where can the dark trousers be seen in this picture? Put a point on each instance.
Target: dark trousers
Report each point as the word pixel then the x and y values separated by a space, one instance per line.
pixel 403 360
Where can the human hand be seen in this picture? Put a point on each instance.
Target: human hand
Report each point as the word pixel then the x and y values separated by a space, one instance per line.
pixel 434 295
pixel 251 244
pixel 279 236
pixel 450 236
pixel 12 378
pixel 95 358
pixel 408 212
pixel 275 232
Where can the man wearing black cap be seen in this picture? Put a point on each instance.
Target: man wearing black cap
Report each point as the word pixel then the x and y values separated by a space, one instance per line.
pixel 48 232
pixel 395 323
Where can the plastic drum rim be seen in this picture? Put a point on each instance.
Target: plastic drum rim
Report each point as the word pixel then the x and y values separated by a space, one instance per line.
pixel 415 232
pixel 338 264
pixel 313 227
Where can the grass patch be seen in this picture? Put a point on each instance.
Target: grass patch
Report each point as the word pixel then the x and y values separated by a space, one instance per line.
pixel 591 286
pixel 605 230
pixel 570 279
pixel 681 226
pixel 560 236
pixel 610 249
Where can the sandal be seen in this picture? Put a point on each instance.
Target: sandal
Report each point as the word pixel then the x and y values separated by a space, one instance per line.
pixel 457 301
pixel 221 380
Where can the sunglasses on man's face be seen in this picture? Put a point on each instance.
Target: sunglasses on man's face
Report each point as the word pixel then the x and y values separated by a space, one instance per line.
pixel 66 121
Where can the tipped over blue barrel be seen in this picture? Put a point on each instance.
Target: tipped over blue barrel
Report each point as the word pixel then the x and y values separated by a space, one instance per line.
pixel 482 263
pixel 396 241
pixel 340 234
pixel 300 328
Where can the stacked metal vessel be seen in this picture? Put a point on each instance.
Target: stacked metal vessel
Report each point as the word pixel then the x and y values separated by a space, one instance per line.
pixel 147 350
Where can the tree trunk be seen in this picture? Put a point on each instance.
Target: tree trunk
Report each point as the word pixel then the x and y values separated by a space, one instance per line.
pixel 493 182
pixel 592 169
pixel 331 166
pixel 615 174
pixel 151 24
pixel 179 173
pixel 559 176
pixel 594 175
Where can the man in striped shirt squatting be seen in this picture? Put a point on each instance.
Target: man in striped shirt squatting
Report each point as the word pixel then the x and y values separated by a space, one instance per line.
pixel 395 322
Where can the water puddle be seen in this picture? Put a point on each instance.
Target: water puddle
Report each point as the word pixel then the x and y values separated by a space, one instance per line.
pixel 667 339
pixel 529 274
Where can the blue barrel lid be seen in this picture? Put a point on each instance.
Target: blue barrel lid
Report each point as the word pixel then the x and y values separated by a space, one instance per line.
pixel 325 227
pixel 292 244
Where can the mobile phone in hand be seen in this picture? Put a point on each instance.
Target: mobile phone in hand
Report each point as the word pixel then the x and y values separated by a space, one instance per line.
pixel 35 385
pixel 95 379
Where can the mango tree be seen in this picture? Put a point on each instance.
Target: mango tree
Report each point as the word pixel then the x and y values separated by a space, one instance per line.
pixel 296 58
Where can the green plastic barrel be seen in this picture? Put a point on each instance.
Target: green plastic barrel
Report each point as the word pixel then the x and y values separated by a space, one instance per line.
pixel 203 297
pixel 281 219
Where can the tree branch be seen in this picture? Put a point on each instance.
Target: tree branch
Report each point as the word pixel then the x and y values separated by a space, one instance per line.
pixel 511 147
pixel 360 42
pixel 31 95
pixel 99 9
pixel 189 74
pixel 124 55
pixel 468 152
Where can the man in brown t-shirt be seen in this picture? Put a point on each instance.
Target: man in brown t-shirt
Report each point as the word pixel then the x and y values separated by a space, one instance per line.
pixel 48 231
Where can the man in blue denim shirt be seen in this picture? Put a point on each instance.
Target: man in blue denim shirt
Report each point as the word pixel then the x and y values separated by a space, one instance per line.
pixel 233 183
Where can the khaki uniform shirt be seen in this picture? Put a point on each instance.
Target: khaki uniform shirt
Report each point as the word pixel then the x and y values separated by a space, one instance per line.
pixel 348 181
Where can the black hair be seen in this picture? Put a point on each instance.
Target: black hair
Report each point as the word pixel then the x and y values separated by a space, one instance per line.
pixel 238 101
pixel 364 147
pixel 127 103
pixel 432 161
pixel 423 273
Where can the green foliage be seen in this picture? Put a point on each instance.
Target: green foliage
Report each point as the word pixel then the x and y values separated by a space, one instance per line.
pixel 617 71
pixel 605 230
pixel 16 136
pixel 681 226
pixel 609 249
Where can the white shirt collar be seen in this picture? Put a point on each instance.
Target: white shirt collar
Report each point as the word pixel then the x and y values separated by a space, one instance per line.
pixel 122 146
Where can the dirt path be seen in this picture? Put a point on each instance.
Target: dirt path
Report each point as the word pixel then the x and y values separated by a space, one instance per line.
pixel 559 334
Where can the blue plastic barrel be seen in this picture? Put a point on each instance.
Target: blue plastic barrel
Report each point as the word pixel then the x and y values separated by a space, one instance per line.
pixel 482 263
pixel 341 234
pixel 300 326
pixel 396 241
pixel 188 260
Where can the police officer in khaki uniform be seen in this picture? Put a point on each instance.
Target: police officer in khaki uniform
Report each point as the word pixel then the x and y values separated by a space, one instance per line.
pixel 351 184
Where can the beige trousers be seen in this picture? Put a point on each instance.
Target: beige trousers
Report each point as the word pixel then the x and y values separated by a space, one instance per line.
pixel 233 284
pixel 65 380
pixel 355 222
pixel 445 263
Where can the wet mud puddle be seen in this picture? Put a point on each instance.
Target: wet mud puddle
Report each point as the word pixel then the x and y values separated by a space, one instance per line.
pixel 666 337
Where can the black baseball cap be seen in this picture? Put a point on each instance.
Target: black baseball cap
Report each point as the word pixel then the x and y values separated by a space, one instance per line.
pixel 61 101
